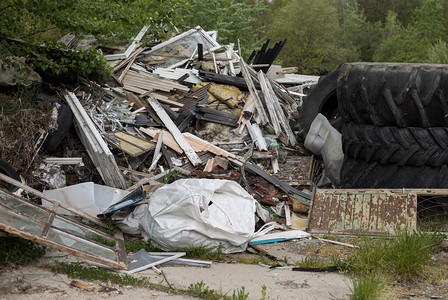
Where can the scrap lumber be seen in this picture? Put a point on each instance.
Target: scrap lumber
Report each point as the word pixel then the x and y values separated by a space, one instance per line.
pixel 269 100
pixel 278 117
pixel 202 145
pixel 277 183
pixel 214 115
pixel 169 124
pixel 132 145
pixel 226 79
pixel 261 116
pixel 135 42
pixel 168 138
pixel 352 211
pixel 256 136
pixel 95 145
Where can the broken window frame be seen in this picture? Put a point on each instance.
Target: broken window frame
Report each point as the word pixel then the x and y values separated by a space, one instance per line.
pixel 135 42
pixel 183 35
pixel 120 261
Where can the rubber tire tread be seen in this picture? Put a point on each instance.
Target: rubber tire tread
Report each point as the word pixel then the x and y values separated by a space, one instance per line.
pixel 411 146
pixel 55 137
pixel 8 170
pixel 394 94
pixel 313 103
pixel 358 174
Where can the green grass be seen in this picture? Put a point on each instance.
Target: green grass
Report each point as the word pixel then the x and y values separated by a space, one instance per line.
pixel 134 246
pixel 312 262
pixel 405 255
pixel 76 270
pixel 203 291
pixel 365 288
pixel 17 251
pixel 101 240
pixel 204 252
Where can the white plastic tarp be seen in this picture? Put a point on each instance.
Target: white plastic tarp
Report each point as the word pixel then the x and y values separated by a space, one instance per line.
pixel 87 197
pixel 200 212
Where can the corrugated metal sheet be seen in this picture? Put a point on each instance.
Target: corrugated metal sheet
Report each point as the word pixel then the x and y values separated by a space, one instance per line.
pixel 368 211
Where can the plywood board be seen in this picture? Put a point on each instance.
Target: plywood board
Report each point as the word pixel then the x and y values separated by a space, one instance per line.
pixel 362 211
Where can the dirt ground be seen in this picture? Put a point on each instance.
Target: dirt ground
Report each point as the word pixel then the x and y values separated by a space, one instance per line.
pixel 36 282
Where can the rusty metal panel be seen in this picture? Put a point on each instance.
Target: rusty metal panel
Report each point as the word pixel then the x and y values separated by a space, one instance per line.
pixel 372 211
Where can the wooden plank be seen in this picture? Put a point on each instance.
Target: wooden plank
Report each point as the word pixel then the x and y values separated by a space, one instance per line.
pixel 269 103
pixel 168 138
pixel 256 136
pixel 284 121
pixel 261 117
pixel 206 146
pixel 365 211
pixel 169 124
pixel 133 140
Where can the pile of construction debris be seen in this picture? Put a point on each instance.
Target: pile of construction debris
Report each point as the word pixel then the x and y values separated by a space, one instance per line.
pixel 193 146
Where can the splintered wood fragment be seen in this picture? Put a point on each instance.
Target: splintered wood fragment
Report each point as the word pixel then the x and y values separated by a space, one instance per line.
pixel 158 147
pixel 262 117
pixel 256 136
pixel 168 138
pixel 288 215
pixel 206 146
pixel 281 115
pixel 91 287
pixel 268 99
pixel 135 141
pixel 169 124
pixel 216 161
pixel 129 64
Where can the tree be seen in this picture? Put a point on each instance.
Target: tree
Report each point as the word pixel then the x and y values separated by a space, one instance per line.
pixel 234 20
pixel 26 25
pixel 314 36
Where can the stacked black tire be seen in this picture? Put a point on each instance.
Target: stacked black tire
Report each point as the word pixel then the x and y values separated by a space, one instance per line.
pixel 395 129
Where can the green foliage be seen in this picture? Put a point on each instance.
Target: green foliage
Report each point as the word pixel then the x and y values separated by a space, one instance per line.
pixel 410 252
pixel 405 255
pixel 311 262
pixel 233 19
pixel 365 288
pixel 114 21
pixel 199 289
pixel 240 294
pixel 376 11
pixel 204 252
pixel 18 251
pixel 314 36
pixel 134 246
pixel 76 270
pixel 101 240
pixel 263 292
pixel 42 22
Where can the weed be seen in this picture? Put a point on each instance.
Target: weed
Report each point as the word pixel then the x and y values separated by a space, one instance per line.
pixel 101 240
pixel 311 262
pixel 409 253
pixel 25 288
pixel 240 294
pixel 199 289
pixel 365 288
pixel 134 246
pixel 370 256
pixel 204 252
pixel 75 270
pixel 263 292
pixel 17 251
